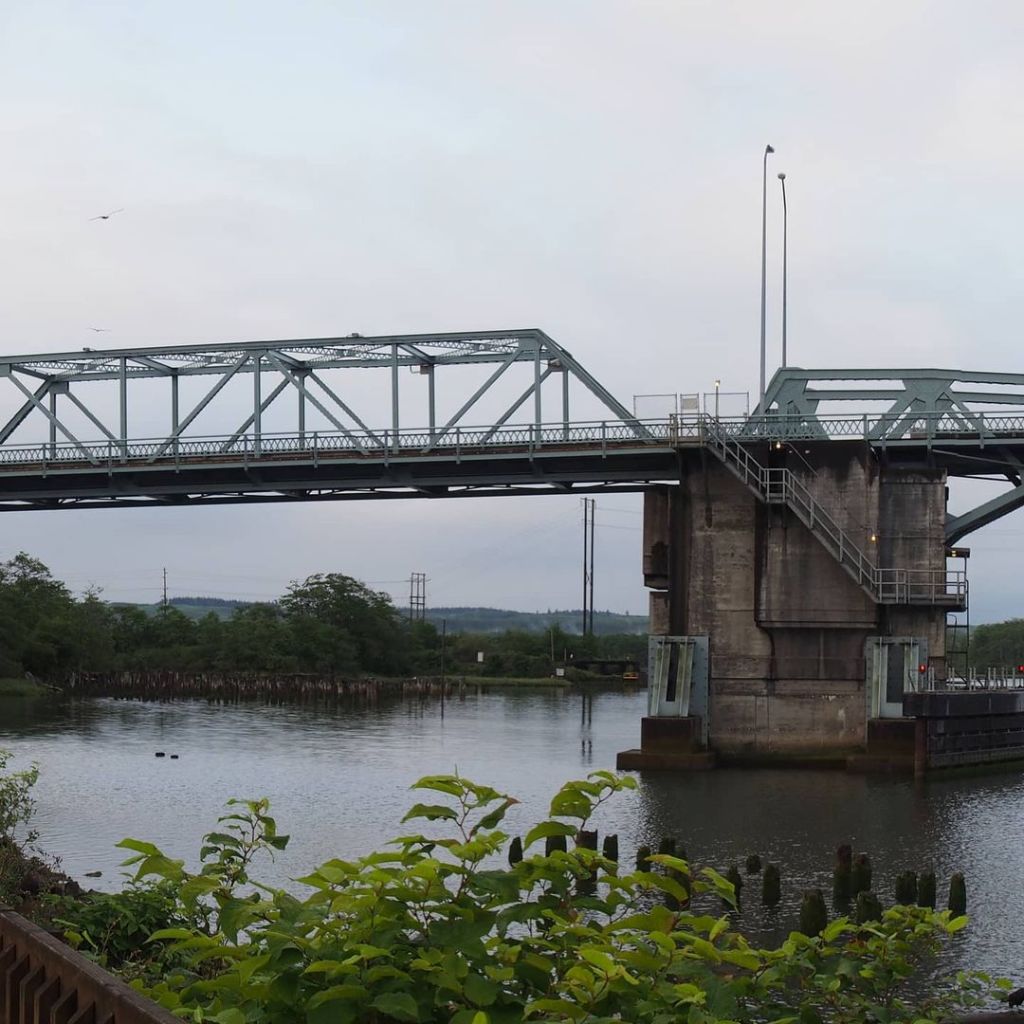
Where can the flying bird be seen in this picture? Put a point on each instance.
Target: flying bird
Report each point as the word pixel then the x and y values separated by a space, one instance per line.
pixel 99 330
pixel 107 216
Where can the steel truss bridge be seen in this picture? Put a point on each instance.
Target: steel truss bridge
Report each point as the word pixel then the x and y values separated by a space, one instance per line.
pixel 67 441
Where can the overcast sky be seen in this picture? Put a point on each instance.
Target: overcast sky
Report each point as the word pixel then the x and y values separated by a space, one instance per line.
pixel 591 168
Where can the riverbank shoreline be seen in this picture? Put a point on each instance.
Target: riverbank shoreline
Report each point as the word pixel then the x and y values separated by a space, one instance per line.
pixel 29 881
pixel 24 688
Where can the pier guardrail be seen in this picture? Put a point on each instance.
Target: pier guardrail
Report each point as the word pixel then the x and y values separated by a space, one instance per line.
pixel 992 679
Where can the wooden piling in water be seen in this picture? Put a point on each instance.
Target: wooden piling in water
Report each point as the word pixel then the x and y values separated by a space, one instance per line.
pixel 610 848
pixel 272 688
pixel 869 907
pixel 842 875
pixel 906 888
pixel 926 890
pixel 733 875
pixel 552 843
pixel 515 851
pixel 813 913
pixel 860 874
pixel 958 894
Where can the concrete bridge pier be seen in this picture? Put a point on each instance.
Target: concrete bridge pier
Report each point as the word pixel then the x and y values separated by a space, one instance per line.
pixel 789 650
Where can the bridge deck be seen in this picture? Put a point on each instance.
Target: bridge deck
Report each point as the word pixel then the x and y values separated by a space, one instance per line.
pixel 499 460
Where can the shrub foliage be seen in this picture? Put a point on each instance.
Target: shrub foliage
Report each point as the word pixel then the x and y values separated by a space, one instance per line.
pixel 439 926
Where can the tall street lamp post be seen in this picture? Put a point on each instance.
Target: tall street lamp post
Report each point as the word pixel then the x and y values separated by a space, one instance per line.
pixel 764 248
pixel 785 226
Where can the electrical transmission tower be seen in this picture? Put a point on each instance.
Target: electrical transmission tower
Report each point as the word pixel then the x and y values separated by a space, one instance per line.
pixel 417 596
pixel 589 508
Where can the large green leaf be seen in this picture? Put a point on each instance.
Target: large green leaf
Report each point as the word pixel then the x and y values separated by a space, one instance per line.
pixel 480 990
pixel 546 829
pixel 432 812
pixel 399 1005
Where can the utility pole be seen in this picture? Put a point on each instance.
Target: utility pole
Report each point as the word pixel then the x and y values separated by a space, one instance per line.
pixel 593 525
pixel 589 507
pixel 764 237
pixel 165 589
pixel 417 596
pixel 785 246
pixel 444 639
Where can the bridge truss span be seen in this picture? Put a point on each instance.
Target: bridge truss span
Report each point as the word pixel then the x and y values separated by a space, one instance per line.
pixel 970 423
pixel 302 419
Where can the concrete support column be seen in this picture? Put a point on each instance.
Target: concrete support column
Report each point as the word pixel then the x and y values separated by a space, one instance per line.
pixel 787 624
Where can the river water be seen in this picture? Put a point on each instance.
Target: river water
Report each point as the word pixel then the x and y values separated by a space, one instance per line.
pixel 338 779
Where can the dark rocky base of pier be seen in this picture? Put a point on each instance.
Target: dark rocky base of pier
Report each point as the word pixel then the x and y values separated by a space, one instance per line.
pixel 940 732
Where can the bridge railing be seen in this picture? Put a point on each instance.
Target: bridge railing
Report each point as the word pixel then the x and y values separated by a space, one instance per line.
pixel 882 428
pixel 677 430
pixel 358 443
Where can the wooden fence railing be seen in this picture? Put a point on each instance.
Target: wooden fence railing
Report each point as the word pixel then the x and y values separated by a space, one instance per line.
pixel 43 981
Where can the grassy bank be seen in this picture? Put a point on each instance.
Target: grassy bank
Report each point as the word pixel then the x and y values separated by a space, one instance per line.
pixel 21 688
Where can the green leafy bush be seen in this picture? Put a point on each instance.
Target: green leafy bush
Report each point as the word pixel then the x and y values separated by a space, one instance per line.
pixel 440 927
pixel 16 802
pixel 114 928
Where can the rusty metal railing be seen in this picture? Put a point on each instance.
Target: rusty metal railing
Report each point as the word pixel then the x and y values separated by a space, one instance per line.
pixel 43 981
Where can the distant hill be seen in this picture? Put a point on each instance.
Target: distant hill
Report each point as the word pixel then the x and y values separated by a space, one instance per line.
pixel 460 620
pixel 197 607
pixel 497 620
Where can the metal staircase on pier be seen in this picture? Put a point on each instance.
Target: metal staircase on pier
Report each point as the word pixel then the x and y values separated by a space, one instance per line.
pixel 783 487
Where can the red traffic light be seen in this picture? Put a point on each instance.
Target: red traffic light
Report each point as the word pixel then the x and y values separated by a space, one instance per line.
pixel 922 667
pixel 1020 668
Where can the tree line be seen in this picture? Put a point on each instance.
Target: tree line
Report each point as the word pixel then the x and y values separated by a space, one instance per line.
pixel 992 645
pixel 328 624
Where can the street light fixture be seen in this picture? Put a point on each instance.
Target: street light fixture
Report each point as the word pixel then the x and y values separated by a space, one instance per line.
pixel 764 248
pixel 785 226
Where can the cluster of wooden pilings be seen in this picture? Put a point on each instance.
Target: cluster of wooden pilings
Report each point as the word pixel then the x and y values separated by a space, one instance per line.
pixel 852 877
pixel 231 687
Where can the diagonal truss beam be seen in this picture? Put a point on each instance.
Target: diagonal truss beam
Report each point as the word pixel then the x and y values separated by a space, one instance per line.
pixel 76 401
pixel 264 406
pixel 566 360
pixel 516 406
pixel 202 404
pixel 957 527
pixel 471 401
pixel 22 414
pixel 343 406
pixel 53 418
pixel 315 402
